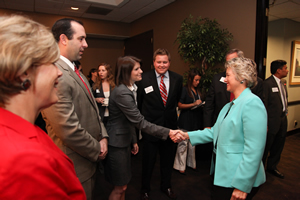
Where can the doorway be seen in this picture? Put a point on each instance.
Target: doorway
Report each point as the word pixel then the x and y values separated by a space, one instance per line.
pixel 141 46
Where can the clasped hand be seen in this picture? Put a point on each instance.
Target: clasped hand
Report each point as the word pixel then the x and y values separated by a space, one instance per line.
pixel 103 148
pixel 178 135
pixel 100 100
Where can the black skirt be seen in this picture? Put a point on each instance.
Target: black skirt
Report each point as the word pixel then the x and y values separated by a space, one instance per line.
pixel 117 165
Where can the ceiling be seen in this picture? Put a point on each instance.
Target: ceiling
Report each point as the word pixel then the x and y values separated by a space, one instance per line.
pixel 280 9
pixel 114 10
pixel 127 10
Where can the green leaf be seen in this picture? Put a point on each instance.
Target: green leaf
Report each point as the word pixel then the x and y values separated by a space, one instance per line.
pixel 203 41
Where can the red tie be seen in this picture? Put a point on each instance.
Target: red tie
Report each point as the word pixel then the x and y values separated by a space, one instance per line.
pixel 77 72
pixel 163 90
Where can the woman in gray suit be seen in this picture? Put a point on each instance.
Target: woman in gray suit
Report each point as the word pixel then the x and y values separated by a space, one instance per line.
pixel 124 117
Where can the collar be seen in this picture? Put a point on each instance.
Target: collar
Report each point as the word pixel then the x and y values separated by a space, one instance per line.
pixel 17 123
pixel 66 60
pixel 243 94
pixel 158 75
pixel 277 79
pixel 133 88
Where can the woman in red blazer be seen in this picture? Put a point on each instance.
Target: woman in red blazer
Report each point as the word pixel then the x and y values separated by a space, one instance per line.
pixel 31 165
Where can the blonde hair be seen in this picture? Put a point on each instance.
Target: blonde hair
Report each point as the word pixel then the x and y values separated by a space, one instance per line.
pixel 244 70
pixel 24 45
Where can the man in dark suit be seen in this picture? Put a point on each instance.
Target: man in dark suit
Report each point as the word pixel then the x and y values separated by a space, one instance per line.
pixel 275 100
pixel 218 95
pixel 158 96
pixel 73 123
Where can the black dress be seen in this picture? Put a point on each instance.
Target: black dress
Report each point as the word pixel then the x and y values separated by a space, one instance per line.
pixel 189 119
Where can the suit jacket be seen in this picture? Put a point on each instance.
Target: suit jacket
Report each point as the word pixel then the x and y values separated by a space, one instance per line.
pixel 125 116
pixel 151 104
pixel 273 103
pixel 218 96
pixel 258 89
pixel 240 140
pixel 29 159
pixel 74 124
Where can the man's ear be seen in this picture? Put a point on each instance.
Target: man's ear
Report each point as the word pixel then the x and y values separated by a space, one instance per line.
pixel 278 70
pixel 63 39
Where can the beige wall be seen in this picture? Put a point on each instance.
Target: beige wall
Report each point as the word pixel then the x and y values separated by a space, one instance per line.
pixel 239 17
pixel 281 33
pixel 91 26
pixel 99 50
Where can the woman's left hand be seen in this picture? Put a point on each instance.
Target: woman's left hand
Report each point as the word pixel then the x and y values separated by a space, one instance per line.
pixel 135 149
pixel 238 195
pixel 100 100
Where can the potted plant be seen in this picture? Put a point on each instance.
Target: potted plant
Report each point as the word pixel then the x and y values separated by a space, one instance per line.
pixel 203 44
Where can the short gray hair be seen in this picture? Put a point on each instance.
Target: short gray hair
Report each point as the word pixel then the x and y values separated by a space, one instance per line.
pixel 244 70
pixel 237 51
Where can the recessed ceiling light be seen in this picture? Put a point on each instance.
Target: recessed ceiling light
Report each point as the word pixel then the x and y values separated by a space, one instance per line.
pixel 107 2
pixel 74 8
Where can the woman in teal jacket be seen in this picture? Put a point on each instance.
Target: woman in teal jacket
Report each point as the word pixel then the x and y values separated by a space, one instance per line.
pixel 239 136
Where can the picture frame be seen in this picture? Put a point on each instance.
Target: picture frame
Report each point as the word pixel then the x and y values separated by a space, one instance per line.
pixel 295 64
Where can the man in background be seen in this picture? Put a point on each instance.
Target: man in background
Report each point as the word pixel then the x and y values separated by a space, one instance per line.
pixel 275 100
pixel 73 123
pixel 158 96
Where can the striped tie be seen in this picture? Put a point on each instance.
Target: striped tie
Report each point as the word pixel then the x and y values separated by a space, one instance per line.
pixel 163 90
pixel 283 97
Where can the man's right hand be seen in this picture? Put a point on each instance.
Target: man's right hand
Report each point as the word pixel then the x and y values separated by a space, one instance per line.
pixel 103 148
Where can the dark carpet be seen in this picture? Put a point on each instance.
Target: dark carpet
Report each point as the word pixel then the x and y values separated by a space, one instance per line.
pixel 196 184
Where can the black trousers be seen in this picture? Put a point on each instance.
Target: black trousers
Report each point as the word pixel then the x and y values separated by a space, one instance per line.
pixel 274 145
pixel 222 193
pixel 166 150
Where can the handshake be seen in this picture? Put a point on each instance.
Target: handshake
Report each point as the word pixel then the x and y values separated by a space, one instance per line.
pixel 178 135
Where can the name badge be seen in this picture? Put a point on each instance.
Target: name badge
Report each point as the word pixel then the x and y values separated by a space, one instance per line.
pixel 222 79
pixel 97 91
pixel 148 89
pixel 275 89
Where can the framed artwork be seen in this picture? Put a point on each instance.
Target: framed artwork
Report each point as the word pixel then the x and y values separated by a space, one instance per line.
pixel 295 64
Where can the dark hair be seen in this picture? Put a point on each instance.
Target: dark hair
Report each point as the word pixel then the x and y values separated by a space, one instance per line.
pixel 162 52
pixel 92 71
pixel 189 84
pixel 123 69
pixel 63 26
pixel 277 64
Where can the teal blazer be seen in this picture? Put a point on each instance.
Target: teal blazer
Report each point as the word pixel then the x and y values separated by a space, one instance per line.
pixel 240 144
